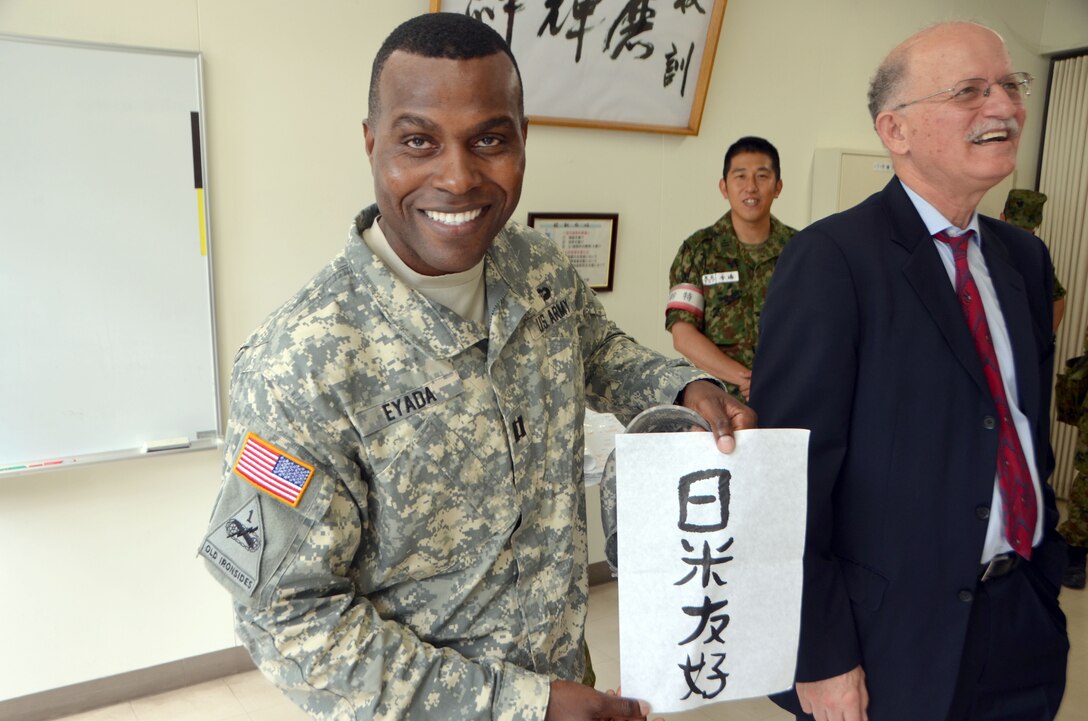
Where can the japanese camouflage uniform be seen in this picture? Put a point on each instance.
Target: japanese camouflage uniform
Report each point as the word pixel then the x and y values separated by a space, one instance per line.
pixel 718 284
pixel 1075 528
pixel 1059 289
pixel 1024 209
pixel 402 521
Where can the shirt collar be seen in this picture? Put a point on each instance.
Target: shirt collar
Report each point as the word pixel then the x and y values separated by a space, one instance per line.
pixel 935 222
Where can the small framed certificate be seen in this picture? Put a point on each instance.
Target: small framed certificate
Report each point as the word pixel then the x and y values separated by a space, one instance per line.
pixel 588 239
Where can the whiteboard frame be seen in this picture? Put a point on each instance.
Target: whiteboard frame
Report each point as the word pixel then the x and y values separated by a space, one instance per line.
pixel 199 438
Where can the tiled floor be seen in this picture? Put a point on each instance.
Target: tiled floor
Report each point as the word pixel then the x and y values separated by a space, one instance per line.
pixel 248 697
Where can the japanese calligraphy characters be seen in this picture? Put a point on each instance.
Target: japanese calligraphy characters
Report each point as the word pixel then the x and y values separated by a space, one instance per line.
pixel 710 577
pixel 624 61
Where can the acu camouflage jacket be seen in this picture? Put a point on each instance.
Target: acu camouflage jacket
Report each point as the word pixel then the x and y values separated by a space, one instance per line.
pixel 401 521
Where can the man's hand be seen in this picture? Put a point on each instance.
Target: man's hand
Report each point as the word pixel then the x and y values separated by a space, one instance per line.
pixel 743 382
pixel 690 342
pixel 839 698
pixel 722 411
pixel 570 701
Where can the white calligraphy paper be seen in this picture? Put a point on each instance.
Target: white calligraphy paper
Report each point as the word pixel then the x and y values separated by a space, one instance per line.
pixel 710 574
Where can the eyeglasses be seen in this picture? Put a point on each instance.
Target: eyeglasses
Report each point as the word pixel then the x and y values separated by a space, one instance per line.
pixel 972 93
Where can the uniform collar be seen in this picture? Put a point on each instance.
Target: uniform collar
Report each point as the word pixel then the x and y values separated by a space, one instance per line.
pixel 513 288
pixel 771 248
pixel 436 328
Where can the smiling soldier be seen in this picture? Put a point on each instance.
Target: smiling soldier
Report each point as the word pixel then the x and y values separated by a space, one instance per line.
pixel 404 450
pixel 720 274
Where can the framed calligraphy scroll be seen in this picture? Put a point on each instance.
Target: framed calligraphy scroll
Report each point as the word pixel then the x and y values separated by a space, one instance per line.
pixel 621 64
pixel 588 239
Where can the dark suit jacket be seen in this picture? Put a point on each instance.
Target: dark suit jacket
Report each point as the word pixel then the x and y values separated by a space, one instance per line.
pixel 863 341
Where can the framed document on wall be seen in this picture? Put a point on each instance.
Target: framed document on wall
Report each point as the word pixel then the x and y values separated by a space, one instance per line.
pixel 588 239
pixel 624 64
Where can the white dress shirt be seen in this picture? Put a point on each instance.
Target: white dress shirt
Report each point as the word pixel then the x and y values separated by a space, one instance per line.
pixel 935 222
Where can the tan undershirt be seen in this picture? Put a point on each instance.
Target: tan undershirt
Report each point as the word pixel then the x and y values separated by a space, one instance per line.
pixel 463 293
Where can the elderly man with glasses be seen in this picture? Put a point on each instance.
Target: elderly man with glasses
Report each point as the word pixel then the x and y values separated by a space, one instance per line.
pixel 913 337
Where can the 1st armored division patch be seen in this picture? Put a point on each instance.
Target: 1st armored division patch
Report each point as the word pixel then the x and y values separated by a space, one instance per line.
pixel 236 546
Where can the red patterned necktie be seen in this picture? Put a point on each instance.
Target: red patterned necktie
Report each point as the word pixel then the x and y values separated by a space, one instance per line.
pixel 1013 476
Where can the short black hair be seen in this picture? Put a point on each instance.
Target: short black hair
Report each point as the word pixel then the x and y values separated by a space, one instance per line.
pixel 753 144
pixel 441 35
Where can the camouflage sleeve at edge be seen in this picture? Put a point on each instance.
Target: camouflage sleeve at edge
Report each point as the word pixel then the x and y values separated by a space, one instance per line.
pixel 622 376
pixel 683 270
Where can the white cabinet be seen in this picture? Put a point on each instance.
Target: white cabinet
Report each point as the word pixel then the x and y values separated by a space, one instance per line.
pixel 843 178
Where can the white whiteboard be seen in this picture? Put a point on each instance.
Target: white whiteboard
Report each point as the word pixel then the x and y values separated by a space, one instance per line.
pixel 107 339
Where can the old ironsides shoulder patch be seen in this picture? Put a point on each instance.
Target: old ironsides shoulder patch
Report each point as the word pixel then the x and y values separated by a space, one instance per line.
pixel 236 546
pixel 270 469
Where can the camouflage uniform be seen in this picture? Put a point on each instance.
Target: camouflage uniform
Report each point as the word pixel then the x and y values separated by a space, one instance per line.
pixel 718 285
pixel 1024 209
pixel 1059 289
pixel 1075 528
pixel 434 562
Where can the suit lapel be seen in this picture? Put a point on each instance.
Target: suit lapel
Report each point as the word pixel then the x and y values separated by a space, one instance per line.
pixel 926 274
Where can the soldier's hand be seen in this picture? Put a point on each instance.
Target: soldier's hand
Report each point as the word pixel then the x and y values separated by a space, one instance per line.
pixel 742 379
pixel 570 701
pixel 722 411
pixel 745 387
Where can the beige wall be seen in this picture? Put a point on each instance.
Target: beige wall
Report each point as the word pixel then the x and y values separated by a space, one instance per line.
pixel 1065 26
pixel 99 571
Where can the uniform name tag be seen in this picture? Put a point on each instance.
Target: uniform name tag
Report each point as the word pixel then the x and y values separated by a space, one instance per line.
pixel 403 405
pixel 731 276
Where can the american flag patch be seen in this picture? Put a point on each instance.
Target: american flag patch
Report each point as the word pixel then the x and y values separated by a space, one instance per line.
pixel 272 470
